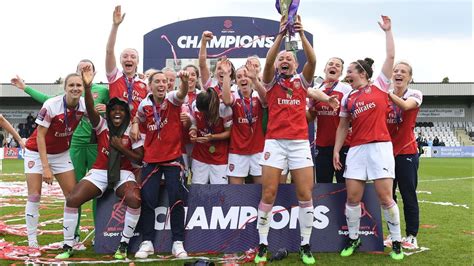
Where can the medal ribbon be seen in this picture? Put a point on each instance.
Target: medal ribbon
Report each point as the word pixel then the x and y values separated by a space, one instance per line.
pixel 355 100
pixel 156 114
pixel 66 120
pixel 248 113
pixel 129 84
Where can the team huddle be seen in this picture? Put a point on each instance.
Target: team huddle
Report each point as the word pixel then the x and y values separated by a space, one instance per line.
pixel 221 127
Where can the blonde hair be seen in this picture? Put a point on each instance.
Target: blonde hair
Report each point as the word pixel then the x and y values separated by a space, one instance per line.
pixel 70 76
pixel 406 64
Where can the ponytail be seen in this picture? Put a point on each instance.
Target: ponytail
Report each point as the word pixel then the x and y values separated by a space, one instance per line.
pixel 208 103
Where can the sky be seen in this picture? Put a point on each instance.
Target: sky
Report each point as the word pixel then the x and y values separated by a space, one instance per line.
pixel 43 40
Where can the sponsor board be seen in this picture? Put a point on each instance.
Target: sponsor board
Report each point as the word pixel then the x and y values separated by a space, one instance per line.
pixel 11 153
pixel 452 152
pixel 222 218
pixel 441 112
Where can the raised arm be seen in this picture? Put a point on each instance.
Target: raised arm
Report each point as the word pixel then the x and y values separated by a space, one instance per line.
pixel 36 95
pixel 183 87
pixel 87 77
pixel 110 63
pixel 203 68
pixel 226 93
pixel 269 68
pixel 252 73
pixel 386 26
pixel 4 123
pixel 310 65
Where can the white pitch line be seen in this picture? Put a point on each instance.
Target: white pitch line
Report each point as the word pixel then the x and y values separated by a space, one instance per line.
pixel 409 253
pixel 446 179
pixel 444 203
pixel 423 192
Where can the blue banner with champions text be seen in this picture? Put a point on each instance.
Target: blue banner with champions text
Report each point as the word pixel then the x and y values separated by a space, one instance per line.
pixel 239 36
pixel 222 218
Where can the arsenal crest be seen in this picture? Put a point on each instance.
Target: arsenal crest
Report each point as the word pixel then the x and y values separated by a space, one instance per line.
pixel 297 84
pixel 231 167
pixel 31 164
pixel 266 156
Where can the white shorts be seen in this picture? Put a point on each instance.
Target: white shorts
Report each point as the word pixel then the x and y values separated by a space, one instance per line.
pixel 243 165
pixel 370 161
pixel 98 177
pixel 282 153
pixel 204 173
pixel 58 163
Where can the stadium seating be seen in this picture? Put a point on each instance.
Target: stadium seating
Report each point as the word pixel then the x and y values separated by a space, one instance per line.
pixel 445 131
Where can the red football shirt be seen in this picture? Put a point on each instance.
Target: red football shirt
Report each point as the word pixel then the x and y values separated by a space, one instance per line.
pixel 367 108
pixel 102 161
pixel 401 124
pixel 246 138
pixel 202 151
pixel 286 100
pixel 164 145
pixel 52 116
pixel 327 119
pixel 118 87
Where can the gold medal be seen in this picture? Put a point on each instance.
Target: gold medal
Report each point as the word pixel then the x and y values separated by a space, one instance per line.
pixel 212 149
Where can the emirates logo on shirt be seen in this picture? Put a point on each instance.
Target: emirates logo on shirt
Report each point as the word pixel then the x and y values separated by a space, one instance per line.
pixel 326 110
pixel 362 107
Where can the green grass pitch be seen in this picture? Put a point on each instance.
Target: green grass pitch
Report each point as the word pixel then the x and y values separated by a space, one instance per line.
pixel 447 230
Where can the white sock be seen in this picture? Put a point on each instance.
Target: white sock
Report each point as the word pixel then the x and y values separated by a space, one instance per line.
pixel 263 221
pixel 32 217
pixel 131 220
pixel 392 216
pixel 69 225
pixel 305 217
pixel 353 213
